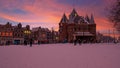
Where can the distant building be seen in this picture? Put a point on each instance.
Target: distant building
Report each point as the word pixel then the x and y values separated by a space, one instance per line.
pixel 27 34
pixel 6 34
pixel 44 35
pixel 41 35
pixel 22 35
pixel 14 34
pixel 55 36
pixel 77 27
pixel 18 34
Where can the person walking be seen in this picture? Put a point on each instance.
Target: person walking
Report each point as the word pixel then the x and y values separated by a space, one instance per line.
pixel 31 41
pixel 38 42
pixel 75 40
pixel 79 41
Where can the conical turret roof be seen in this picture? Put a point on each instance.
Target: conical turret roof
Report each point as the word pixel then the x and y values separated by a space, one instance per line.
pixel 64 19
pixel 72 16
pixel 87 18
pixel 92 19
pixel 74 13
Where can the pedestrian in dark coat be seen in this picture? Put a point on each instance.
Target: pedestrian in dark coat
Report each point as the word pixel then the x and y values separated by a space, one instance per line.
pixel 75 42
pixel 31 41
pixel 25 42
pixel 38 42
pixel 79 41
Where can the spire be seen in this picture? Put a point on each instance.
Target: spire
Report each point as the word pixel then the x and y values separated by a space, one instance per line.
pixel 87 18
pixel 92 19
pixel 73 15
pixel 20 25
pixel 64 19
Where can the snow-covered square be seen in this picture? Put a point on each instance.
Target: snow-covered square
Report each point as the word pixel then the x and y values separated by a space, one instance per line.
pixel 102 55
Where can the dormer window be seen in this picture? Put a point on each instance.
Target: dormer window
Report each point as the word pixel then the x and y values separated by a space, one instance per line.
pixel 75 14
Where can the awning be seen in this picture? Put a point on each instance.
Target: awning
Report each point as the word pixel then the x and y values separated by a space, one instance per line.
pixel 83 34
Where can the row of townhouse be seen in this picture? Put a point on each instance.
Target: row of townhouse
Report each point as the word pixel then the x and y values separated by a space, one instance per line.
pixel 44 35
pixel 19 35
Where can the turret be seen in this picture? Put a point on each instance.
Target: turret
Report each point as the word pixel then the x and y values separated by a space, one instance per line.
pixel 92 20
pixel 87 18
pixel 73 15
pixel 64 19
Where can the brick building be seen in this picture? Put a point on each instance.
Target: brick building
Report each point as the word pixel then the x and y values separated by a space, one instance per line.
pixel 43 35
pixel 14 34
pixel 77 27
pixel 6 34
pixel 18 34
pixel 27 34
pixel 21 34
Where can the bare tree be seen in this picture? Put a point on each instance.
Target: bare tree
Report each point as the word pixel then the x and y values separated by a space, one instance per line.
pixel 114 15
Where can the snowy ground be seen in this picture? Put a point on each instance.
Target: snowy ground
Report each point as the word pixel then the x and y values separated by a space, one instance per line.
pixel 103 55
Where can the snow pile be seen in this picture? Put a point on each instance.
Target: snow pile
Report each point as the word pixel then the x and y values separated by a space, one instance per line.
pixel 105 55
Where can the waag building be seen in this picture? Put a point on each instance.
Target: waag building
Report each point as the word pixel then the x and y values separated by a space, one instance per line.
pixel 77 27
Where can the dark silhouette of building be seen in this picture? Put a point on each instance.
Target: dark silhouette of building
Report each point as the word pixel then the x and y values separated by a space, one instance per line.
pixel 77 27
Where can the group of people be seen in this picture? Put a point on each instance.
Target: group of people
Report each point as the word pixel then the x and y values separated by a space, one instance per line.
pixel 80 41
pixel 77 41
pixel 30 42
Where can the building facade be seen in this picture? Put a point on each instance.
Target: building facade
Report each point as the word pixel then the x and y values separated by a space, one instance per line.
pixel 6 34
pixel 27 34
pixel 77 28
pixel 42 35
pixel 14 34
pixel 18 34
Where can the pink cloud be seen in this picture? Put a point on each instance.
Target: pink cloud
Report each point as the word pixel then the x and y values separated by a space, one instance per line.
pixel 49 12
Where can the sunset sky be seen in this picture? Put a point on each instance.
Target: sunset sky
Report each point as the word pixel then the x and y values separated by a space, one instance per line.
pixel 47 13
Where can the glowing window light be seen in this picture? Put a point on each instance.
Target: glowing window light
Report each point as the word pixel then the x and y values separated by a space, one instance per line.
pixel 43 35
pixel 3 34
pixel 56 38
pixel 27 32
pixel 10 33
pixel 75 14
pixel 7 34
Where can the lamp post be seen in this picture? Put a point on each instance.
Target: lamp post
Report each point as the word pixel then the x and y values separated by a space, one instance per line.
pixel 114 35
pixel 109 36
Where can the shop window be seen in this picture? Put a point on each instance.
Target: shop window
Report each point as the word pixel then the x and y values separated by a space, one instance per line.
pixel 7 34
pixel 10 33
pixel 3 34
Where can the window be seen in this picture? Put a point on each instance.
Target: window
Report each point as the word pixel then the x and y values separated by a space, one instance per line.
pixel 3 34
pixel 7 34
pixel 0 33
pixel 74 29
pixel 10 33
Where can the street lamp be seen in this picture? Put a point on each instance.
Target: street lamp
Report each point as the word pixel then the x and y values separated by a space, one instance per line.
pixel 114 35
